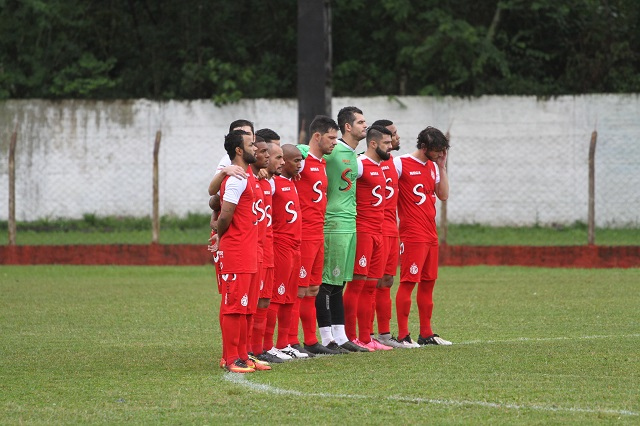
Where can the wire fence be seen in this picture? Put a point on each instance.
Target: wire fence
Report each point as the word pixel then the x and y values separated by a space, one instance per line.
pixel 92 166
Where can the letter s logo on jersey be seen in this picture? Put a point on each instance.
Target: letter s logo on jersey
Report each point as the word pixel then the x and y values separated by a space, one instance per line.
pixel 260 210
pixel 416 190
pixel 291 210
pixel 317 190
pixel 346 179
pixel 254 211
pixel 375 194
pixel 388 188
pixel 267 212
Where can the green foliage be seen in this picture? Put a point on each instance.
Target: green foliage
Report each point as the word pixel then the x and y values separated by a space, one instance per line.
pixel 225 51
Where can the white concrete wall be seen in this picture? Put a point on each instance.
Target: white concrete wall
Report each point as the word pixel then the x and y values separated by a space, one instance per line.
pixel 514 160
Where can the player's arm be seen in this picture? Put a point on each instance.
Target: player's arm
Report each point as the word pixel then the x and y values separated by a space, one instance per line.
pixel 442 187
pixel 232 170
pixel 226 214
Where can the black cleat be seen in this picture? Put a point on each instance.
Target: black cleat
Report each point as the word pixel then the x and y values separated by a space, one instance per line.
pixel 434 339
pixel 352 347
pixel 299 348
pixel 318 349
pixel 335 347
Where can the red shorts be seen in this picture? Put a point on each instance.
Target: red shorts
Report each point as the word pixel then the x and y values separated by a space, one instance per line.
pixel 235 293
pixel 312 259
pixel 266 283
pixel 391 254
pixel 369 259
pixel 286 274
pixel 418 262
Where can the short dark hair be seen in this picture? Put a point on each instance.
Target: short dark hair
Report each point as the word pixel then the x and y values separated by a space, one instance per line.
pixel 347 115
pixel 432 139
pixel 268 135
pixel 240 123
pixel 234 140
pixel 375 132
pixel 383 123
pixel 322 124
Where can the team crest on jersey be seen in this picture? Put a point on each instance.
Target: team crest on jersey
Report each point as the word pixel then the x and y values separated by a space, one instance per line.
pixel 336 271
pixel 281 289
pixel 401 248
pixel 363 261
pixel 245 300
pixel 433 174
pixel 303 272
pixel 414 269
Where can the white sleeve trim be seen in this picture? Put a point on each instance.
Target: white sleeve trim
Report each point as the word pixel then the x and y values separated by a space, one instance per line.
pixel 234 189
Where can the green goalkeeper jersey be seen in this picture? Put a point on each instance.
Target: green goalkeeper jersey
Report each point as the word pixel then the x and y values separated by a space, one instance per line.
pixel 342 171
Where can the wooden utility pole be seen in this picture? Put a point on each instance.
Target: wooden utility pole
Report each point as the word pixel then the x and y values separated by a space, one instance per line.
pixel 12 187
pixel 156 191
pixel 592 189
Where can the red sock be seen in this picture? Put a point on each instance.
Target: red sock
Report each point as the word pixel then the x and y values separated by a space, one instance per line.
pixel 295 322
pixel 249 332
pixel 242 342
pixel 365 313
pixel 224 353
pixel 403 307
pixel 257 336
pixel 231 336
pixel 383 310
pixel 350 301
pixel 308 319
pixel 284 322
pixel 270 325
pixel 425 306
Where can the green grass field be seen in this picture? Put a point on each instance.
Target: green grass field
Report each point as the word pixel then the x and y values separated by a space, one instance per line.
pixel 194 229
pixel 140 345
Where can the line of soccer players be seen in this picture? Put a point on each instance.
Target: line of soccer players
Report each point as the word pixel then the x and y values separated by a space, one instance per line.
pixel 309 234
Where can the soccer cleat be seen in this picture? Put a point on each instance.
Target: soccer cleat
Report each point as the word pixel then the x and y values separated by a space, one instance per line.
pixel 318 349
pixel 239 367
pixel 293 352
pixel 377 346
pixel 388 340
pixel 335 347
pixel 408 342
pixel 258 362
pixel 223 363
pixel 352 347
pixel 279 354
pixel 434 339
pixel 299 348
pixel 362 344
pixel 257 366
pixel 267 357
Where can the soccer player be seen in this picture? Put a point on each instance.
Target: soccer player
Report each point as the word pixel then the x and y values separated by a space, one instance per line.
pixel 340 230
pixel 287 229
pixel 369 262
pixel 312 191
pixel 225 161
pixel 391 244
pixel 269 136
pixel 274 167
pixel 237 230
pixel 421 177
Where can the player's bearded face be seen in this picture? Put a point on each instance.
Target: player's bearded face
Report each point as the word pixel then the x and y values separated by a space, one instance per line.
pixel 384 155
pixel 248 156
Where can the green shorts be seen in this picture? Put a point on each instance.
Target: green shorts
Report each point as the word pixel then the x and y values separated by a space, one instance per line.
pixel 339 255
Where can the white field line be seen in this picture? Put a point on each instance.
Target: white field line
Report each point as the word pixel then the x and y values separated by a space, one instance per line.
pixel 241 379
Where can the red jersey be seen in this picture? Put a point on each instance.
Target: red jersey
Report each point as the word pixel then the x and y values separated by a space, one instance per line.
pixel 264 216
pixel 287 218
pixel 417 199
pixel 237 251
pixel 262 223
pixel 370 194
pixel 390 226
pixel 312 191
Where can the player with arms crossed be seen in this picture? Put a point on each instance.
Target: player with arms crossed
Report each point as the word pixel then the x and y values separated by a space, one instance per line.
pixel 421 177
